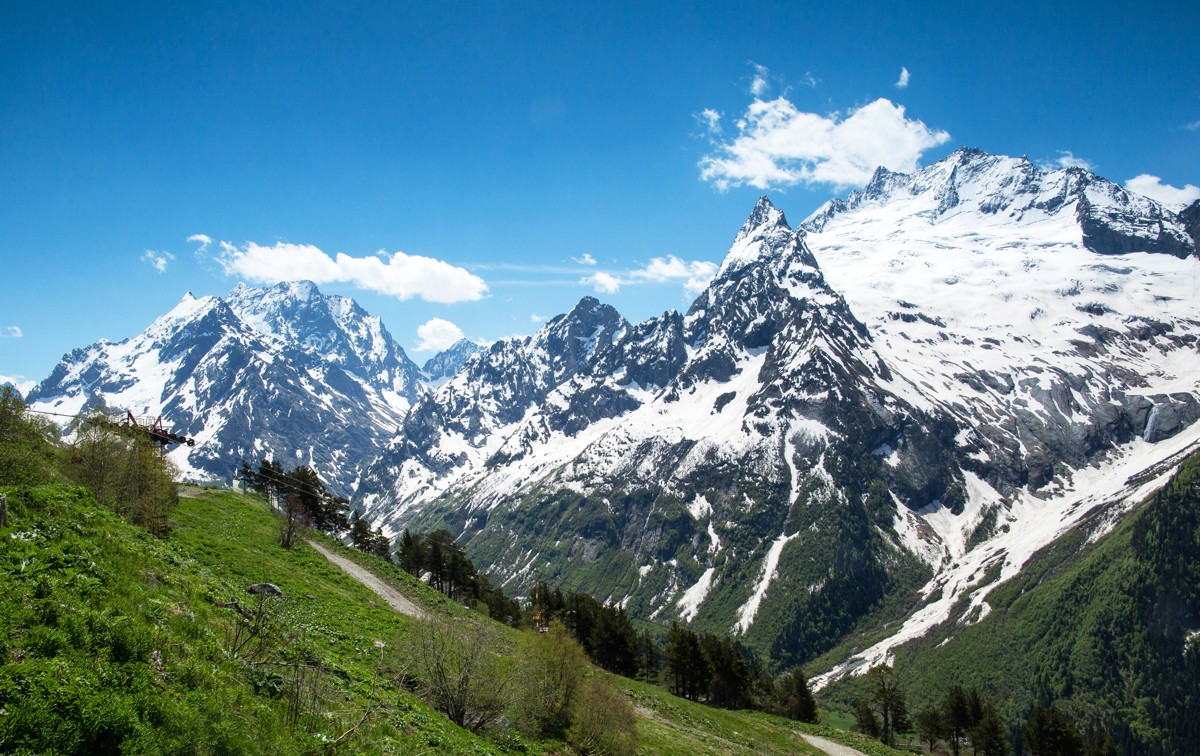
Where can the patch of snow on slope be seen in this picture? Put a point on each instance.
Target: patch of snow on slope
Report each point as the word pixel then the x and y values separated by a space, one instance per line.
pixel 692 598
pixel 747 611
pixel 1032 523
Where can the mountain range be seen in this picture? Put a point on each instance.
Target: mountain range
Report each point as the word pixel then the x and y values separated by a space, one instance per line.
pixel 887 408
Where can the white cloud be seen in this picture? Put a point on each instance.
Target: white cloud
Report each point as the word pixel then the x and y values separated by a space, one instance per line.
pixel 11 332
pixel 587 259
pixel 23 385
pixel 535 318
pixel 604 283
pixel 204 240
pixel 759 84
pixel 711 121
pixel 158 260
pixel 1066 159
pixel 437 334
pixel 902 82
pixel 694 275
pixel 398 275
pixel 1193 126
pixel 1165 194
pixel 809 80
pixel 778 145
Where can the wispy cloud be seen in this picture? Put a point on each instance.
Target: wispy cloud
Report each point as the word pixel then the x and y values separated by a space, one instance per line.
pixel 778 145
pixel 204 240
pixel 587 259
pixel 397 274
pixel 694 275
pixel 11 332
pixel 809 80
pixel 158 260
pixel 710 123
pixel 759 84
pixel 1172 197
pixel 902 82
pixel 437 334
pixel 1193 126
pixel 535 318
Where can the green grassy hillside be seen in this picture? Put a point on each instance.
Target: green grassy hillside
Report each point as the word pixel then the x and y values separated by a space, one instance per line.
pixel 112 640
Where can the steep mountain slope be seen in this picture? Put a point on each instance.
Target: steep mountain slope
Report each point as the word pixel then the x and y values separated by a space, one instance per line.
pixel 1103 624
pixel 439 368
pixel 931 377
pixel 285 372
pixel 1068 372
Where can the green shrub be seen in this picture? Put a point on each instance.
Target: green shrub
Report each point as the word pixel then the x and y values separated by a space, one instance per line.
pixel 605 723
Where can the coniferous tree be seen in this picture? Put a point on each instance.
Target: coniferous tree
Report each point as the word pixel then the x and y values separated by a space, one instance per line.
pixel 796 699
pixel 413 553
pixel 729 672
pixel 1048 732
pixel 650 657
pixel 865 720
pixel 987 734
pixel 956 715
pixel 687 669
pixel 930 726
pixel 889 701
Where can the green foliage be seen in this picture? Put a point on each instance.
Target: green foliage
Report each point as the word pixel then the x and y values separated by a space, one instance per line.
pixel 1048 732
pixel 125 471
pixel 889 701
pixel 605 723
pixel 605 632
pixel 796 699
pixel 371 540
pixel 688 672
pixel 930 727
pixel 451 572
pixel 866 720
pixel 459 674
pixel 304 502
pixel 551 666
pixel 27 455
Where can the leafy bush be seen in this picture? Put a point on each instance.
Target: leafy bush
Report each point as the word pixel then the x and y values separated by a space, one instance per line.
pixel 605 723
pixel 551 666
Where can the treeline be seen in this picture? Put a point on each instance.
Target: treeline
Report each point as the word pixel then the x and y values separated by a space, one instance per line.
pixel 965 718
pixel 711 669
pixel 449 570
pixel 305 502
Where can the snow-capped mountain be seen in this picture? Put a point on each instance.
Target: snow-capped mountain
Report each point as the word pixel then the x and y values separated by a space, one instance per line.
pixel 916 389
pixel 285 371
pixel 440 367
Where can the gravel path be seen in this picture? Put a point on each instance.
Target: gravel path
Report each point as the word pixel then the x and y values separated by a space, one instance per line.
pixel 395 599
pixel 831 748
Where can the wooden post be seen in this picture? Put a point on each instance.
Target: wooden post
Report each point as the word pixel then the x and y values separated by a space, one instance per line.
pixel 3 510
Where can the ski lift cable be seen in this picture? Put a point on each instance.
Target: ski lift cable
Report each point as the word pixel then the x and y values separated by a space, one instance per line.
pixel 273 479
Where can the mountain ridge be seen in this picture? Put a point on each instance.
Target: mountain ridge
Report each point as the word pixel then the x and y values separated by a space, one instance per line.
pixel 821 436
pixel 283 372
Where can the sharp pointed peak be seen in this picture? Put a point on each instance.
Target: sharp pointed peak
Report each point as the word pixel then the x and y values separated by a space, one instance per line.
pixel 764 215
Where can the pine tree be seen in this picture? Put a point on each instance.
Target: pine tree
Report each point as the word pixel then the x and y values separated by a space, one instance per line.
pixel 796 699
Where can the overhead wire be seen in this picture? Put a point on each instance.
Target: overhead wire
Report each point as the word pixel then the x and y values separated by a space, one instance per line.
pixel 278 481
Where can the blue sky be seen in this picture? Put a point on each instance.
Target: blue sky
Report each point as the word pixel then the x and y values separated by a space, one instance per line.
pixel 485 165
